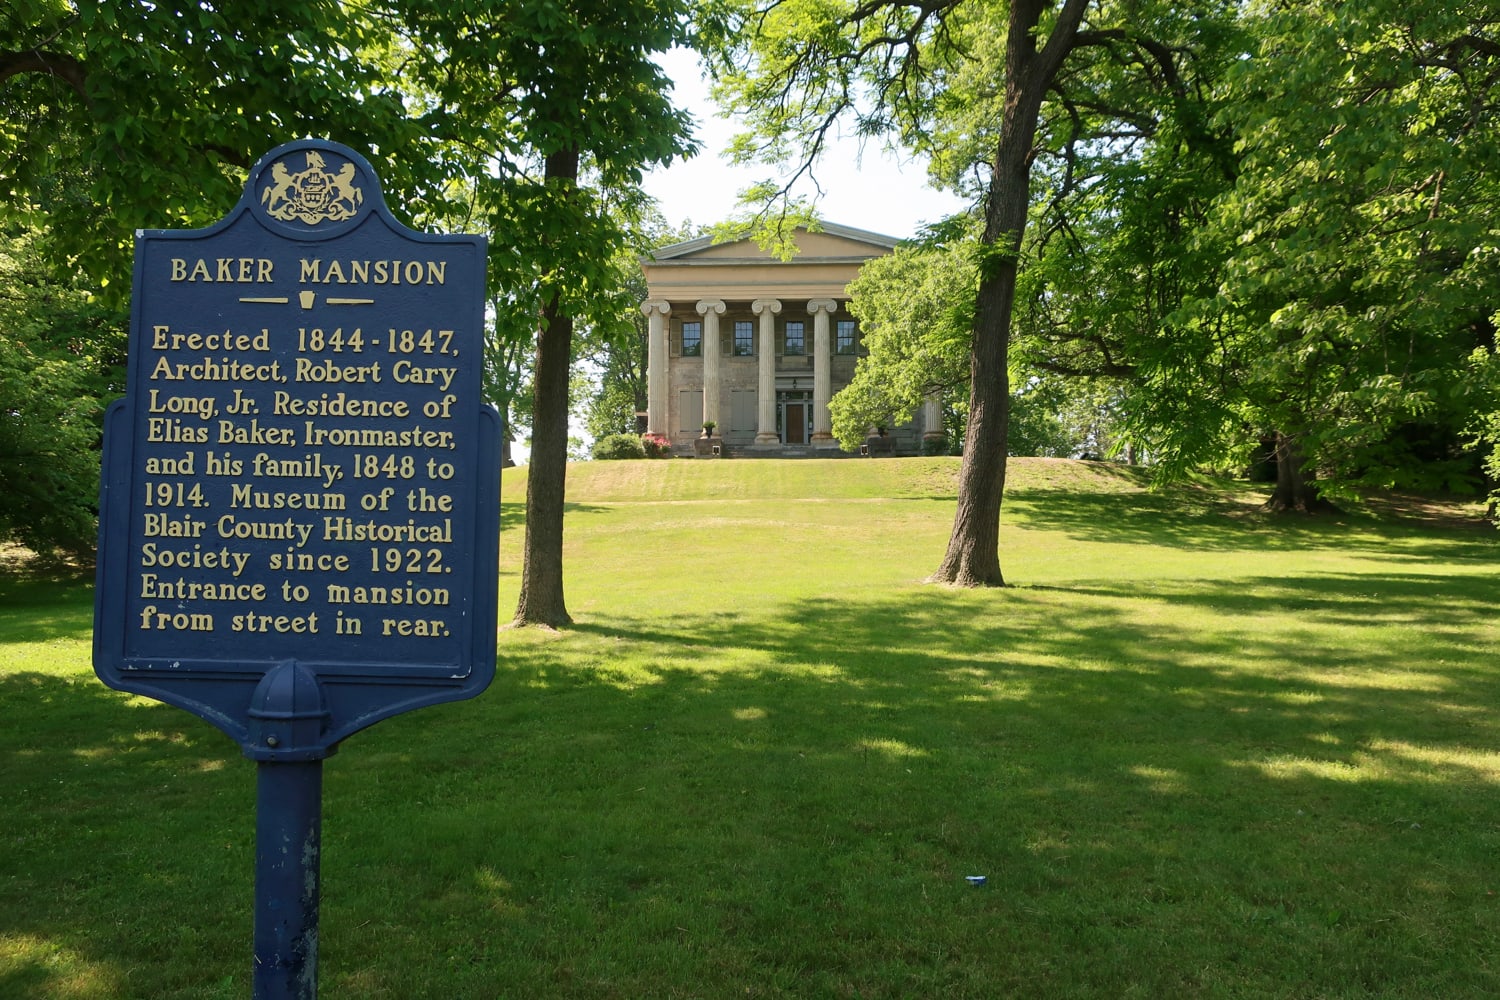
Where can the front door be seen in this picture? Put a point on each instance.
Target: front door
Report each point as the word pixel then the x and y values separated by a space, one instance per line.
pixel 794 422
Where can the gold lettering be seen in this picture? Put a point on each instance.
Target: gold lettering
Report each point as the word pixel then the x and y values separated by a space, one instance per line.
pixel 151 619
pixel 274 623
pixel 236 270
pixel 430 627
pixel 379 272
pixel 163 339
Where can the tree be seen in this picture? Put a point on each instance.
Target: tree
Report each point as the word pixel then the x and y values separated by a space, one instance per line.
pixel 1362 248
pixel 1261 222
pixel 563 108
pixel 62 356
pixel 534 118
pixel 915 307
pixel 507 374
pixel 1296 263
pixel 967 82
pixel 115 117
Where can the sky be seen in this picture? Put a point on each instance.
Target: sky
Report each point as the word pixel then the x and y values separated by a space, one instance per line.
pixel 876 191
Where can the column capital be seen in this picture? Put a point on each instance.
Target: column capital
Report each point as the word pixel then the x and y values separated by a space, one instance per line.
pixel 765 305
pixel 656 305
pixel 815 306
pixel 706 306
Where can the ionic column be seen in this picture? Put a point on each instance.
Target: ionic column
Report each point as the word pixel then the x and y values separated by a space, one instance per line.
pixel 656 311
pixel 822 435
pixel 932 417
pixel 711 310
pixel 766 309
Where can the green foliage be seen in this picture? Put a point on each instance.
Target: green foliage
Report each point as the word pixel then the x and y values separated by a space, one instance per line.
pixel 515 89
pixel 115 117
pixel 531 120
pixel 1484 370
pixel 616 446
pixel 551 113
pixel 61 360
pixel 916 311
pixel 915 307
pixel 932 447
pixel 1356 245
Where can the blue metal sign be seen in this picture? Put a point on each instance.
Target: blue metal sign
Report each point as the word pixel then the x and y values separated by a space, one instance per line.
pixel 299 514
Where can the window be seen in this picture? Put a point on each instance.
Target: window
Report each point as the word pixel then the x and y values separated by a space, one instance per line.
pixel 795 342
pixel 844 337
pixel 744 338
pixel 692 339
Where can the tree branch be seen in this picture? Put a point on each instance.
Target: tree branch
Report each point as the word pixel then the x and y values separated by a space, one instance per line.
pixel 55 64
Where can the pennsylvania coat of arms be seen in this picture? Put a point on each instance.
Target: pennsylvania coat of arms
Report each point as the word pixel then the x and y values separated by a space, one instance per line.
pixel 312 195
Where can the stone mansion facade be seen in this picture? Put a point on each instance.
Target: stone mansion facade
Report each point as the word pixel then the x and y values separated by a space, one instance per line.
pixel 756 344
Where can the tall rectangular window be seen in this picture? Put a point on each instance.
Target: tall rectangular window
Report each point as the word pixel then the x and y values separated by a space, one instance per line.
pixel 692 339
pixel 843 342
pixel 795 341
pixel 744 338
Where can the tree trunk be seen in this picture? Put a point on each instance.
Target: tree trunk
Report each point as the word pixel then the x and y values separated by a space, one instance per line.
pixel 1295 489
pixel 541 601
pixel 973 556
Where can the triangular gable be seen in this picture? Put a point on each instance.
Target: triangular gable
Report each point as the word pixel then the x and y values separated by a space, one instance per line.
pixel 832 241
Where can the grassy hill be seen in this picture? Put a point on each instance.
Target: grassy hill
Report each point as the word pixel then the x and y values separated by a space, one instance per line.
pixel 1196 751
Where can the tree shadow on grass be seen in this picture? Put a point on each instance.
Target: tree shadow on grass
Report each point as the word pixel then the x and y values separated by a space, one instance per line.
pixel 1118 772
pixel 513 514
pixel 1205 520
pixel 788 804
pixel 128 833
pixel 42 609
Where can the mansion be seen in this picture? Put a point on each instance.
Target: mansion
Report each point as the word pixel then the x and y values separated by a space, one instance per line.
pixel 758 345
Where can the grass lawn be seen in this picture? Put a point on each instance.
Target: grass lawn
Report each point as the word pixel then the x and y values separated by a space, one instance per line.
pixel 1195 750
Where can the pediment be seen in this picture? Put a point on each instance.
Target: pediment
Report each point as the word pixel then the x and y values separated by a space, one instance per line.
pixel 831 242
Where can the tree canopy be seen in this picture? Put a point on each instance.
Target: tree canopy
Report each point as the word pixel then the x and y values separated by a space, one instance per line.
pixel 531 120
pixel 123 116
pixel 1247 225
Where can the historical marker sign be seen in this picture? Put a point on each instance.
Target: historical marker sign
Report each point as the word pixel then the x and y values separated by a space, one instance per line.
pixel 301 487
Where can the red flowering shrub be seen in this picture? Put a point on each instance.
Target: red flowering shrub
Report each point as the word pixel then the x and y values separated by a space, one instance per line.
pixel 657 445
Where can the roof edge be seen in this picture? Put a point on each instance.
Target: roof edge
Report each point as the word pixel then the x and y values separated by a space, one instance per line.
pixel 692 246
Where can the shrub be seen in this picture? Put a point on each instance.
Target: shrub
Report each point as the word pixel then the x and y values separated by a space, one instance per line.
pixel 615 446
pixel 936 446
pixel 656 445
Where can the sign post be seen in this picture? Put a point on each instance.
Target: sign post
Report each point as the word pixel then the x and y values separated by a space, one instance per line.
pixel 299 506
